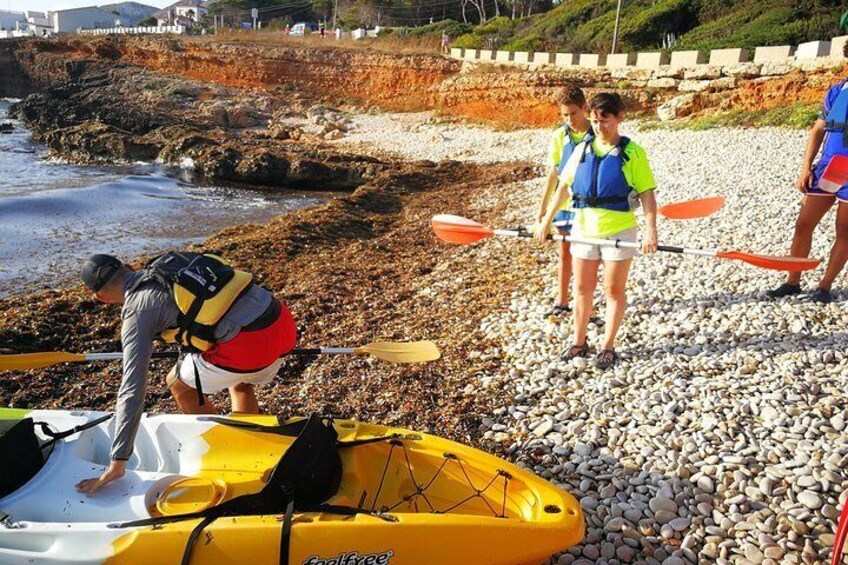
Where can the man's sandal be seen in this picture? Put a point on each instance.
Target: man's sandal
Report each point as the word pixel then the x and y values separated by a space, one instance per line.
pixel 575 351
pixel 605 359
pixel 558 310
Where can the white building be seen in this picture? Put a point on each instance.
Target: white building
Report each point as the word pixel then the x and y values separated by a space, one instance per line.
pixel 9 20
pixel 38 23
pixel 191 12
pixel 185 14
pixel 69 21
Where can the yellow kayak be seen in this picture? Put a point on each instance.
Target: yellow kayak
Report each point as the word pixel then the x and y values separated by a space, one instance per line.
pixel 250 489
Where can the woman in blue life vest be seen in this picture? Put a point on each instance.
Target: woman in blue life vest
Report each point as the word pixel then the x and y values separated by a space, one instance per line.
pixel 573 109
pixel 607 175
pixel 830 134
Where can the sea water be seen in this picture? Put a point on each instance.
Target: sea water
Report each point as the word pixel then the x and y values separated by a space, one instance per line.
pixel 54 214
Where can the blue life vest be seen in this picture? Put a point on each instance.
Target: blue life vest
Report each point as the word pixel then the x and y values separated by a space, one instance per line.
pixel 836 126
pixel 599 181
pixel 568 147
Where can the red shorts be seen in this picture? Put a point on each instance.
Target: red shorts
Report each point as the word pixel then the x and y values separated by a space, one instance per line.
pixel 253 350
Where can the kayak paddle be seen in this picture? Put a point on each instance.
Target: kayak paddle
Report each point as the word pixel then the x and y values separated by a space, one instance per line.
pixel 459 230
pixel 692 209
pixel 688 210
pixel 393 352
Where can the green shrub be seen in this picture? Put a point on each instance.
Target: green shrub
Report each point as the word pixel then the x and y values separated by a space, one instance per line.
pixel 495 34
pixel 529 42
pixel 587 25
pixel 452 27
pixel 797 116
pixel 470 41
pixel 647 27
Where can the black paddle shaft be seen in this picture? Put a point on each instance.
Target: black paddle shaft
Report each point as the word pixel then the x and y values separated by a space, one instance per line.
pixel 669 248
pixel 175 354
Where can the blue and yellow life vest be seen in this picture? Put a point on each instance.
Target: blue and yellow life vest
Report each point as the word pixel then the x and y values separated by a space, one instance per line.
pixel 836 126
pixel 599 181
pixel 568 147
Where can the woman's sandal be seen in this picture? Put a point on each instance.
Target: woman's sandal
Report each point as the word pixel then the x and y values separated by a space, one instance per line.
pixel 558 310
pixel 575 351
pixel 605 359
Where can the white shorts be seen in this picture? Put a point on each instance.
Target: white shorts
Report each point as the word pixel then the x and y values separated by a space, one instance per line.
pixel 591 252
pixel 214 379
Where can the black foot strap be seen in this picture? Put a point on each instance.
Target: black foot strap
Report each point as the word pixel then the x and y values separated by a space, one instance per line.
pixel 285 538
pixel 192 539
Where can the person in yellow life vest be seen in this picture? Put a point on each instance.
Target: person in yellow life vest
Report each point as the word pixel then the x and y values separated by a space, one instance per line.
pixel 607 175
pixel 565 138
pixel 231 331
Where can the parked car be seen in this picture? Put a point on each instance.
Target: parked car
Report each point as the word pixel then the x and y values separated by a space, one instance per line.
pixel 301 28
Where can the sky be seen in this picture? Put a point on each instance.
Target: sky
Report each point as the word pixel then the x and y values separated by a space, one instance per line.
pixel 44 5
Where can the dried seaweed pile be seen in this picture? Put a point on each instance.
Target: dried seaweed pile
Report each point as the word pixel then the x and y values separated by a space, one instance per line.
pixel 360 268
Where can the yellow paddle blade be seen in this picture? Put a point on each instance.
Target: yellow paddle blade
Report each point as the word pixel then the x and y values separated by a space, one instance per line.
pixel 411 352
pixel 24 361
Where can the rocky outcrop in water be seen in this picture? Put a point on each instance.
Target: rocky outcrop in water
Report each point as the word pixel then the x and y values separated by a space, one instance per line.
pixel 96 111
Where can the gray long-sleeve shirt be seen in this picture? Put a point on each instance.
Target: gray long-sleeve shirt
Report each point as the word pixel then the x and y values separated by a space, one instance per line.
pixel 148 310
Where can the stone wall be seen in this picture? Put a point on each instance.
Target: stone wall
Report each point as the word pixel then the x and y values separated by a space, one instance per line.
pixel 686 73
pixel 829 51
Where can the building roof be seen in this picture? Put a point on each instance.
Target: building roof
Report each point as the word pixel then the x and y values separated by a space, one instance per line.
pixel 9 19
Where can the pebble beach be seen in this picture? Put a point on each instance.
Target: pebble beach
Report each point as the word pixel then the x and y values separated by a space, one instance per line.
pixel 720 437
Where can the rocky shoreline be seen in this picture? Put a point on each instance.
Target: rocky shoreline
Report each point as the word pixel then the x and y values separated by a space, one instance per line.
pixel 100 112
pixel 721 436
pixel 328 263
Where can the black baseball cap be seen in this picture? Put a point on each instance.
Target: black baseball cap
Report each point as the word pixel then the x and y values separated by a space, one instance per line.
pixel 98 269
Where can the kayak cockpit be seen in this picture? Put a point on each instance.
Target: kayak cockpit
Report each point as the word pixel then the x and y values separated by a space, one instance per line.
pixel 50 495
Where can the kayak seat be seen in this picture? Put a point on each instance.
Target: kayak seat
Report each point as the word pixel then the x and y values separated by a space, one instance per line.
pixel 20 453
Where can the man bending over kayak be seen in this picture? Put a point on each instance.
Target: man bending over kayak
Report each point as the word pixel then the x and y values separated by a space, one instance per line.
pixel 232 334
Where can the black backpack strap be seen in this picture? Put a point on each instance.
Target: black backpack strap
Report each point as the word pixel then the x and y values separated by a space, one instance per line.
pixel 198 386
pixel 187 321
pixel 192 539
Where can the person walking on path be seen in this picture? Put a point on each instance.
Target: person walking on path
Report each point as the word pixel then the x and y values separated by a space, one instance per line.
pixel 607 175
pixel 232 332
pixel 445 43
pixel 573 109
pixel 830 134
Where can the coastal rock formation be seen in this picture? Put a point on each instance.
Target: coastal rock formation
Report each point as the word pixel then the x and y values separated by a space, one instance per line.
pixel 108 112
pixel 509 95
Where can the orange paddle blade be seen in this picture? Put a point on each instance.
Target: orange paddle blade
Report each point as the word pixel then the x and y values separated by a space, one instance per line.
pixel 791 264
pixel 459 230
pixel 692 209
